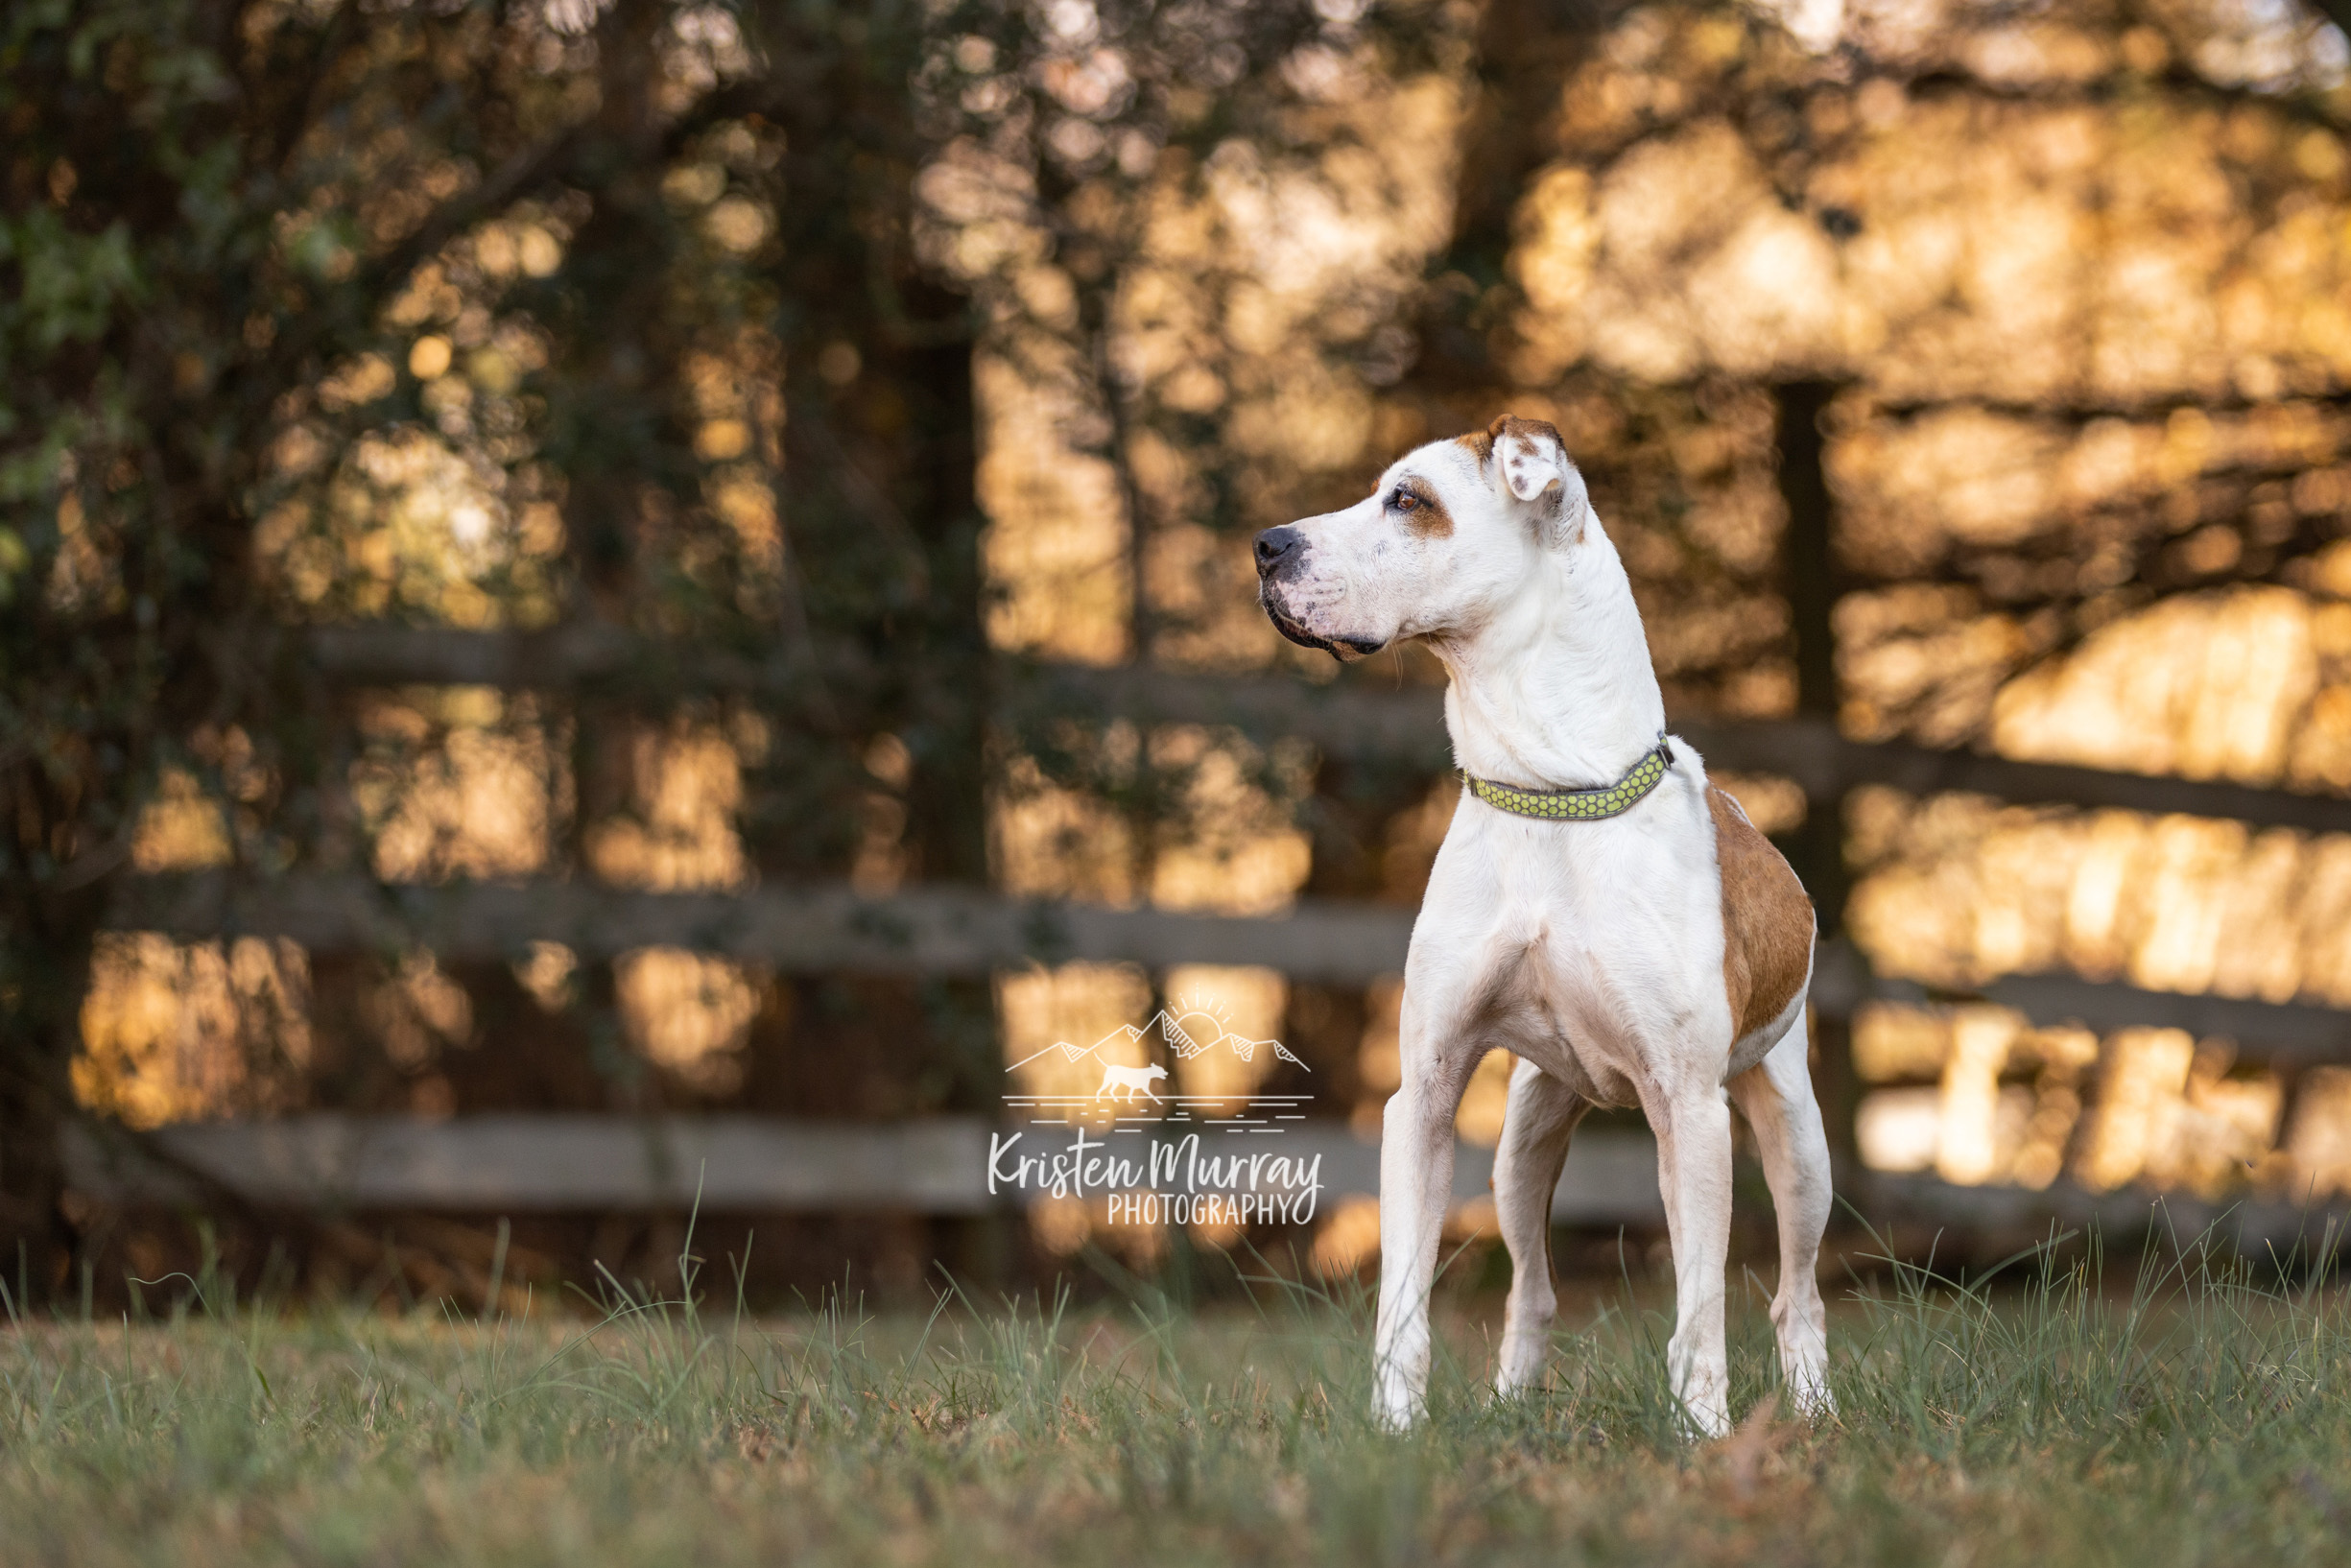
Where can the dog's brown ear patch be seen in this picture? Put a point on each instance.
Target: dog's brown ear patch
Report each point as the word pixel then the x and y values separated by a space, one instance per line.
pixel 1767 921
pixel 1526 459
pixel 1480 442
pixel 1510 424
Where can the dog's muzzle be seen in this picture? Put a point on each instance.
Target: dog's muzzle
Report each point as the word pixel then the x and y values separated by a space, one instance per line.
pixel 1281 555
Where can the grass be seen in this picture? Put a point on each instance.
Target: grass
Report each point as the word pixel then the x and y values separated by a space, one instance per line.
pixel 2183 1414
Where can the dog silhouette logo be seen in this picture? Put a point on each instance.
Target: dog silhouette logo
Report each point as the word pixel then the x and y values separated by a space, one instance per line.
pixel 1130 1081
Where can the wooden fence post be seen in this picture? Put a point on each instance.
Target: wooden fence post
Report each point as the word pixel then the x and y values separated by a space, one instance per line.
pixel 1816 847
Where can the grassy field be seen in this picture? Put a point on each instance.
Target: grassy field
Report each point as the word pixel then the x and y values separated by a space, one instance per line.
pixel 2168 1417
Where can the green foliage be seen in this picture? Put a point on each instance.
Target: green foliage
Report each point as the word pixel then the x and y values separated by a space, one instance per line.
pixel 216 220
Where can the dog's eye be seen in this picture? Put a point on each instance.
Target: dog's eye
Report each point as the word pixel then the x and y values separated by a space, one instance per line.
pixel 1403 500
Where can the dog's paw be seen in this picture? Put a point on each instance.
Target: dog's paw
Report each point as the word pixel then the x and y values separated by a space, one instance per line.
pixel 1706 1422
pixel 1395 1416
pixel 1520 1367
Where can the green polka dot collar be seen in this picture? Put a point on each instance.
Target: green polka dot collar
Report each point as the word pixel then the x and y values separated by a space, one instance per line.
pixel 1579 805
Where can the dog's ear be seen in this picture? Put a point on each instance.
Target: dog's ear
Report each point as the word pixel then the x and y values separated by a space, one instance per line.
pixel 1534 467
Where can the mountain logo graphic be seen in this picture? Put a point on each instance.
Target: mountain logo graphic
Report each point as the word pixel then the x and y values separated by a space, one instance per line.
pixel 1190 1028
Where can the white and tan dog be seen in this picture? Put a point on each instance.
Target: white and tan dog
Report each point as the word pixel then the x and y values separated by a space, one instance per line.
pixel 1658 957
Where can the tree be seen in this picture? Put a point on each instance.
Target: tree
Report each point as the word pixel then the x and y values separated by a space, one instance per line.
pixel 250 248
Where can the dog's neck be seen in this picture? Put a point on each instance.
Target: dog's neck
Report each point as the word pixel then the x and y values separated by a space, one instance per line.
pixel 1555 691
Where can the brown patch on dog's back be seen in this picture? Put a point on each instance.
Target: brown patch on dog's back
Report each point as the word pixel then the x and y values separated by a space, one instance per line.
pixel 1767 921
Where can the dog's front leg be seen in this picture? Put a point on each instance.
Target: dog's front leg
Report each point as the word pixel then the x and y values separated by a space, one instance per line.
pixel 1415 1184
pixel 1693 1175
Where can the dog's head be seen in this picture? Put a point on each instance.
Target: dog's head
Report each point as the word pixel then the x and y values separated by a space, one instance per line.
pixel 1454 530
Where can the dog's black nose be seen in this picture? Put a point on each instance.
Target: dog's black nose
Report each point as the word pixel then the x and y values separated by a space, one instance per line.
pixel 1276 545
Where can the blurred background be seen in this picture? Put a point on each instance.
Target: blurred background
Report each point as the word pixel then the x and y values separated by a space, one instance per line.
pixel 604 599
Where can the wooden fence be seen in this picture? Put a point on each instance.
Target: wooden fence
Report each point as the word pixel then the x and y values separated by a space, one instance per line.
pixel 954 931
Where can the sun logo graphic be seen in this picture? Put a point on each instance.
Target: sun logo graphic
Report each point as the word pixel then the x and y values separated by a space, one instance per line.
pixel 1118 1083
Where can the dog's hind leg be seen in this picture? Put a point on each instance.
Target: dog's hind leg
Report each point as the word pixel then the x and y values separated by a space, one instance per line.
pixel 1692 1121
pixel 1536 1127
pixel 1776 1096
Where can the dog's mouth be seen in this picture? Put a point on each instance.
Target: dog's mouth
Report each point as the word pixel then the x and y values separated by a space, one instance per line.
pixel 1345 649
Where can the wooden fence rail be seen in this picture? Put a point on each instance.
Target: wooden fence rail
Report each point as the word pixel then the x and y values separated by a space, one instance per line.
pixel 1351 717
pixel 553 1163
pixel 809 928
pixel 800 929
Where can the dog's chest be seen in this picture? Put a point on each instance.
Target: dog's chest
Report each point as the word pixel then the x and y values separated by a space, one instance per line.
pixel 1600 945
